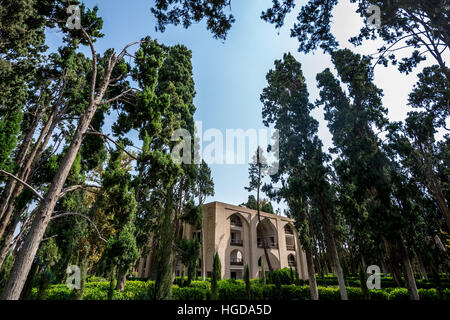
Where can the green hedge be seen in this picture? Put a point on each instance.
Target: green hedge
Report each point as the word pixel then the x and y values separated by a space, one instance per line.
pixel 386 282
pixel 235 290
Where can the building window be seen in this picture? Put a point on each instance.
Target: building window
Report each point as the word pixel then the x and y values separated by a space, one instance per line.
pixel 235 221
pixel 291 261
pixel 288 229
pixel 266 234
pixel 290 239
pixel 236 258
pixel 236 231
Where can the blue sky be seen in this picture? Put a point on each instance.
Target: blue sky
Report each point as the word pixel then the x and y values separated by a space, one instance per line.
pixel 230 75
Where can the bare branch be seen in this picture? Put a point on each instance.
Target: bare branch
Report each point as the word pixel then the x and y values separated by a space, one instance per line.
pixel 117 97
pixel 94 64
pixel 124 51
pixel 65 214
pixel 104 136
pixel 45 239
pixel 24 183
pixel 76 187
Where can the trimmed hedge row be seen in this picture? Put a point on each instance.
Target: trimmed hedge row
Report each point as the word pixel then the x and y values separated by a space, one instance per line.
pixel 235 290
pixel 386 282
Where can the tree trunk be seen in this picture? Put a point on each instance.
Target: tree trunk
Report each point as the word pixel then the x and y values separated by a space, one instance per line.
pixel 266 253
pixel 39 225
pixel 383 267
pixel 409 274
pixel 111 283
pixel 7 239
pixel 423 270
pixel 26 143
pixel 311 275
pixel 331 248
pixel 203 266
pixel 203 256
pixel 164 254
pixel 27 171
pixel 121 280
pixel 28 288
pixel 396 273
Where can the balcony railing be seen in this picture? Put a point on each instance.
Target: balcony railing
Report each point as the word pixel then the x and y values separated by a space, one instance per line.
pixel 289 231
pixel 236 242
pixel 290 247
pixel 236 223
pixel 271 245
pixel 236 262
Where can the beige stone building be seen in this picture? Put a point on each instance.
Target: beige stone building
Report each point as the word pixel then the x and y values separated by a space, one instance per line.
pixel 234 232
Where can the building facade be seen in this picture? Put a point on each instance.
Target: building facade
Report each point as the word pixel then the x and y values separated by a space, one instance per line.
pixel 237 235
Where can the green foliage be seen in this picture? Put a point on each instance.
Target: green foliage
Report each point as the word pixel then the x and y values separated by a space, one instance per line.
pixel 281 276
pixel 189 251
pixel 265 205
pixel 192 214
pixel 234 290
pixel 9 130
pixel 6 269
pixel 216 276
pixel 189 293
pixel 247 282
pixel 263 273
pixel 185 13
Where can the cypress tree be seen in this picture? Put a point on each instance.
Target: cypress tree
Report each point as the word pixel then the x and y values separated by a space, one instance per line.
pixel 216 276
pixel 247 282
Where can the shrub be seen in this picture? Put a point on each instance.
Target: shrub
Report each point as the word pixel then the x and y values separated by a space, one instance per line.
pixel 257 291
pixel 59 292
pixel 281 276
pixel 328 294
pixel 201 285
pixel 428 294
pixel 179 281
pixel 231 290
pixel 234 290
pixel 293 292
pixel 188 293
pixel 399 294
pixel 354 293
pixel 91 279
pixel 378 295
pixel 269 292
pixel 95 294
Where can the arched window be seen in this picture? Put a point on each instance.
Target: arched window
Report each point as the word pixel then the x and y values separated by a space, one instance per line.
pixel 266 234
pixel 291 261
pixel 236 258
pixel 290 239
pixel 236 235
pixel 235 220
pixel 288 229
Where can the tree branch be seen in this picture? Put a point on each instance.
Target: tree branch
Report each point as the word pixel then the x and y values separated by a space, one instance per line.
pixel 117 97
pixel 94 64
pixel 104 136
pixel 76 187
pixel 65 214
pixel 24 183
